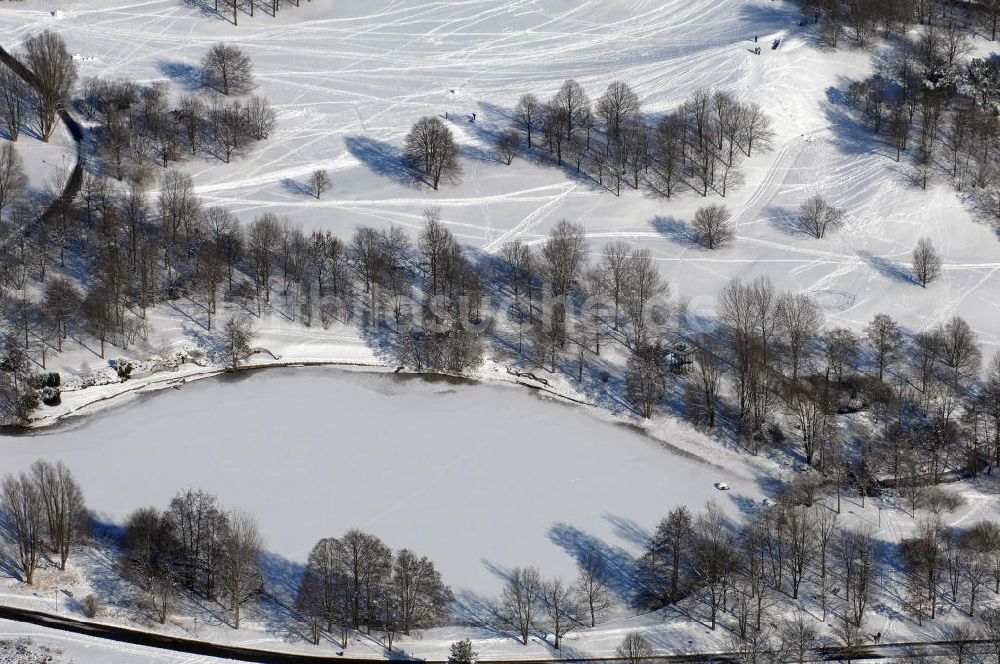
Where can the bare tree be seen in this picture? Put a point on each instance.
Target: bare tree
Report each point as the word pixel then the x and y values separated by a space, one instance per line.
pixel 431 151
pixel 237 336
pixel 884 339
pixel 756 128
pixel 798 637
pixel 644 288
pixel 259 117
pixel 797 319
pixel 646 379
pixel 713 556
pixel 55 75
pixel 21 503
pixel 634 649
pixel 13 181
pixel 419 593
pixel 711 226
pixel 591 590
pixel 528 115
pixel 560 606
pixel 506 146
pixel 926 262
pixel 522 598
pixel 227 69
pixel 230 131
pixel 563 257
pixel 14 97
pixel 619 105
pixel 65 511
pixel 239 574
pixel 319 182
pixel 572 104
pixel 322 590
pixel 841 346
pixel 817 216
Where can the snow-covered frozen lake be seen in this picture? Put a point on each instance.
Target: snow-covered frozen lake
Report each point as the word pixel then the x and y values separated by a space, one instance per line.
pixel 479 478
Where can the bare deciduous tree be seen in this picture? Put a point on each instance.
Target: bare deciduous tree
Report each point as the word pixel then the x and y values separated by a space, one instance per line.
pixel 528 115
pixel 237 336
pixel 817 216
pixel 21 503
pixel 634 649
pixel 591 590
pixel 14 97
pixel 646 379
pixel 560 606
pixel 227 69
pixel 239 573
pixel 884 340
pixel 55 75
pixel 506 146
pixel 13 181
pixel 431 151
pixel 319 182
pixel 926 262
pixel 522 599
pixel 711 226
pixel 65 510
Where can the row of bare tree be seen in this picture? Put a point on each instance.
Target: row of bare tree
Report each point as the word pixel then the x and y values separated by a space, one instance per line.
pixel 357 581
pixel 44 516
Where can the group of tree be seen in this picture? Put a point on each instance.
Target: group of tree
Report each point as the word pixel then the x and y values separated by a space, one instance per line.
pixel 196 546
pixel 612 141
pixel 356 582
pixel 927 98
pixel 44 516
pixel 138 127
pixel 862 23
pixel 232 9
pixel 531 604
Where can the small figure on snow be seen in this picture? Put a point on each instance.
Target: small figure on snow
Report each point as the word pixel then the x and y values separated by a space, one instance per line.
pixel 473 117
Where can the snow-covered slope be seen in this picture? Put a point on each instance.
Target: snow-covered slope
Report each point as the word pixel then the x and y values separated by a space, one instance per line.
pixel 349 78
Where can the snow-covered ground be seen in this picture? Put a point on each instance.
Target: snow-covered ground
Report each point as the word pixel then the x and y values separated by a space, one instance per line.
pixel 480 479
pixel 39 645
pixel 349 78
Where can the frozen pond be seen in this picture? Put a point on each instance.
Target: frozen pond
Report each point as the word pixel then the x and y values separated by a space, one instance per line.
pixel 476 477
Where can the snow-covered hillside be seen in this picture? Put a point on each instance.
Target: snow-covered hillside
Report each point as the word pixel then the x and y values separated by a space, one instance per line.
pixel 482 478
pixel 349 78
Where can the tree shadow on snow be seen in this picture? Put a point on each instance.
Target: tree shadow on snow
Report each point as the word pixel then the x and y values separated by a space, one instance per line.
pixel 185 74
pixel 785 221
pixel 852 136
pixel 281 582
pixel 296 188
pixel 673 229
pixel 616 568
pixel 381 158
pixel 887 267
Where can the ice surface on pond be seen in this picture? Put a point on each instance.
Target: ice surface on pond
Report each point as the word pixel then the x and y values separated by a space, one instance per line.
pixel 478 478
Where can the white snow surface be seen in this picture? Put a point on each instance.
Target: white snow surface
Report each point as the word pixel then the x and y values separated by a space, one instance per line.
pixel 348 78
pixel 478 478
pixel 467 474
pixel 67 648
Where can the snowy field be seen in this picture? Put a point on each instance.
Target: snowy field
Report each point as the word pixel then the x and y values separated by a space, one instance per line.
pixel 484 478
pixel 349 78
pixel 480 479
